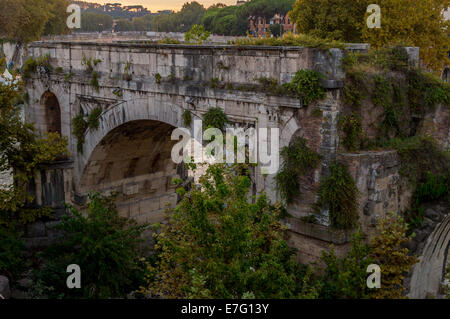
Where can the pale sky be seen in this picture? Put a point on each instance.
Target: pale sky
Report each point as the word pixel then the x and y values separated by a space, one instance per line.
pixel 155 5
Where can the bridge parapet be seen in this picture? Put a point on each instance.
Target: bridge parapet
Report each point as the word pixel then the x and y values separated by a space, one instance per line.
pixel 198 63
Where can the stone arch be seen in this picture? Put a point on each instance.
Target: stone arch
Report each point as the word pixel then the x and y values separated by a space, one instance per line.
pixel 49 116
pixel 130 154
pixel 122 113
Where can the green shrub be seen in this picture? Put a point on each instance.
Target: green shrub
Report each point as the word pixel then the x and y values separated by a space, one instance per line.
pixel 289 39
pixel 94 81
pixel 93 118
pixel 187 118
pixel 346 277
pixel 306 85
pixel 298 160
pixel 79 127
pixel 353 139
pixel 11 249
pixel 338 193
pixel 426 91
pixel 104 245
pixel 158 78
pixel 419 155
pixel 215 118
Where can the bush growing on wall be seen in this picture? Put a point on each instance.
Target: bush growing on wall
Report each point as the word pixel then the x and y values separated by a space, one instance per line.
pixel 298 160
pixel 307 86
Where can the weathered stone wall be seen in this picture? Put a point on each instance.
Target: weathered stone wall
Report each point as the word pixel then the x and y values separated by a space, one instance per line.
pixel 381 189
pixel 129 153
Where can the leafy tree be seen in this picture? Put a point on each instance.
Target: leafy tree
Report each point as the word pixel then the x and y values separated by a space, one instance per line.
pixel 11 259
pixel 218 245
pixel 389 252
pixel 104 245
pixel 23 152
pixel 26 20
pixel 421 25
pixel 346 277
pixel 57 23
pixel 333 19
pixel 190 14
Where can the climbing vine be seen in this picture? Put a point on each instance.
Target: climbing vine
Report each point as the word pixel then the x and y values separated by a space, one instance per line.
pixel 306 85
pixel 81 123
pixel 338 193
pixel 31 65
pixel 187 118
pixel 382 78
pixel 215 118
pixel 298 160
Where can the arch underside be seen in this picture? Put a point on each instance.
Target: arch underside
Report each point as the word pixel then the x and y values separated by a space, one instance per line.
pixel 134 160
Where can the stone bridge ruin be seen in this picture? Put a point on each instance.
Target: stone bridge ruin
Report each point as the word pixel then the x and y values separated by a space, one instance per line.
pixel 143 90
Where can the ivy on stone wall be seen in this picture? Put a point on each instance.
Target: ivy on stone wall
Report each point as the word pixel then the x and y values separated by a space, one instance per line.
pixel 81 123
pixel 306 85
pixel 383 78
pixel 215 118
pixel 298 160
pixel 338 193
pixel 31 65
pixel 187 118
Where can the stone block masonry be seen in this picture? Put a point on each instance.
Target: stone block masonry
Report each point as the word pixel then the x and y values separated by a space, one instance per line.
pixel 129 153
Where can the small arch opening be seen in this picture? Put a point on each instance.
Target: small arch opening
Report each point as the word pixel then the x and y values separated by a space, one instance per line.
pixel 51 113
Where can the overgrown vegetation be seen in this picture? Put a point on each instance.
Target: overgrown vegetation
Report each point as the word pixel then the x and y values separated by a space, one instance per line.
pixel 402 94
pixel 346 277
pixel 81 123
pixel 298 160
pixel 11 252
pixel 31 65
pixel 338 194
pixel 24 152
pixel 197 34
pixel 389 252
pixel 187 118
pixel 215 118
pixel 307 86
pixel 422 25
pixel 219 245
pixel 104 245
pixel 428 169
pixel 289 39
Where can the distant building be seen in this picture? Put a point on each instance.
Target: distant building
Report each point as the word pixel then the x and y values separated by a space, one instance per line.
pixel 260 27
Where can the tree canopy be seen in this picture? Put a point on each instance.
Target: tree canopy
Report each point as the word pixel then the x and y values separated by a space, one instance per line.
pixel 26 20
pixel 421 24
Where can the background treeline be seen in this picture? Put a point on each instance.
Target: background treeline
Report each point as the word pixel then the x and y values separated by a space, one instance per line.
pixel 218 19
pixel 115 10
